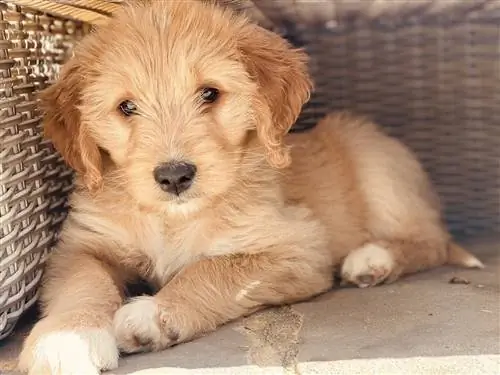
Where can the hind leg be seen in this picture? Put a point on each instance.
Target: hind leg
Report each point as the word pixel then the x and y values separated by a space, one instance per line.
pixel 401 212
pixel 385 261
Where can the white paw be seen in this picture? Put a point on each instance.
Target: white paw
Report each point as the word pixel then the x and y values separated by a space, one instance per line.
pixel 137 327
pixel 367 266
pixel 74 353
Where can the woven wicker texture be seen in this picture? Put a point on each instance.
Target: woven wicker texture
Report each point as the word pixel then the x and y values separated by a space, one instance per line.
pixel 90 11
pixel 33 180
pixel 437 88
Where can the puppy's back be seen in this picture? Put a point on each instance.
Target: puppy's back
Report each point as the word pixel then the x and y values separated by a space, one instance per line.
pixel 361 182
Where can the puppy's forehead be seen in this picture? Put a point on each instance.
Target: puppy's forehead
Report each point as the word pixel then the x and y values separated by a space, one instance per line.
pixel 178 49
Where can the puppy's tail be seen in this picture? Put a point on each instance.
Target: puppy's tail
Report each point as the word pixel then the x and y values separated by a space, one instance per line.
pixel 458 256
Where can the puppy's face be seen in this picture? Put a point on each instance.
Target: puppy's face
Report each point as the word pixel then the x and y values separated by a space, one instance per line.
pixel 175 94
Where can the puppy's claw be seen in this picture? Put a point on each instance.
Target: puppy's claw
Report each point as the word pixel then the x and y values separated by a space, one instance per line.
pixel 364 281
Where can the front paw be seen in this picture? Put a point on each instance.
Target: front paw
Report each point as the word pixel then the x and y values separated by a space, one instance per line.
pixel 140 326
pixel 68 352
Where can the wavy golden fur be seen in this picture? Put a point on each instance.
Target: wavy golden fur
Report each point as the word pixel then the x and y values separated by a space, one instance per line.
pixel 252 230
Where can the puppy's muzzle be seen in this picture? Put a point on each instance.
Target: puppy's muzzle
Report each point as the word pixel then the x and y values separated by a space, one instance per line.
pixel 175 177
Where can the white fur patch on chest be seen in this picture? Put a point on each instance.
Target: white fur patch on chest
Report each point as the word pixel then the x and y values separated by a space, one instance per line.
pixel 169 251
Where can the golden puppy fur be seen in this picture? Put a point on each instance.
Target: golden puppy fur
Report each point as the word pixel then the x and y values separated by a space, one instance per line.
pixel 252 230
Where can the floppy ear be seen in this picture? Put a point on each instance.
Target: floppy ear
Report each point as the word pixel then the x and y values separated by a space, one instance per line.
pixel 63 126
pixel 284 86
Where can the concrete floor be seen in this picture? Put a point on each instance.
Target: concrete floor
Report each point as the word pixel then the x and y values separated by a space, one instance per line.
pixel 422 324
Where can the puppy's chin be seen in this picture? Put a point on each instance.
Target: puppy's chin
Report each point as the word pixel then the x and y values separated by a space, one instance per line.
pixel 184 207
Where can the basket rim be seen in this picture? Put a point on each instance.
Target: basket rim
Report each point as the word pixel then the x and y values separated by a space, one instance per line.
pixel 96 12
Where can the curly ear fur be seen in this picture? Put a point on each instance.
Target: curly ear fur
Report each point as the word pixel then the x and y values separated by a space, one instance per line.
pixel 284 83
pixel 63 126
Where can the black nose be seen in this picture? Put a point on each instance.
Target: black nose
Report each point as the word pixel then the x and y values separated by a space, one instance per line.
pixel 175 177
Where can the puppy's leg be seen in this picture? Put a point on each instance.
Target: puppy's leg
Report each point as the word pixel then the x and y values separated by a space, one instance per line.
pixel 215 291
pixel 387 260
pixel 80 296
pixel 402 213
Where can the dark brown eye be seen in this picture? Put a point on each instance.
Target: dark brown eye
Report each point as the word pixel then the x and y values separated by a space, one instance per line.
pixel 128 108
pixel 209 94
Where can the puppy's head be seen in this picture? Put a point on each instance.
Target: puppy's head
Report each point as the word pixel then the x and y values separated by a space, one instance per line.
pixel 173 93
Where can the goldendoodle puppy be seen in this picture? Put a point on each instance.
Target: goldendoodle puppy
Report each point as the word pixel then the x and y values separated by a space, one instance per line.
pixel 175 118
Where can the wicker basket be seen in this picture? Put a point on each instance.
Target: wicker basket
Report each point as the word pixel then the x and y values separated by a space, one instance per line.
pixel 426 69
pixel 33 179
